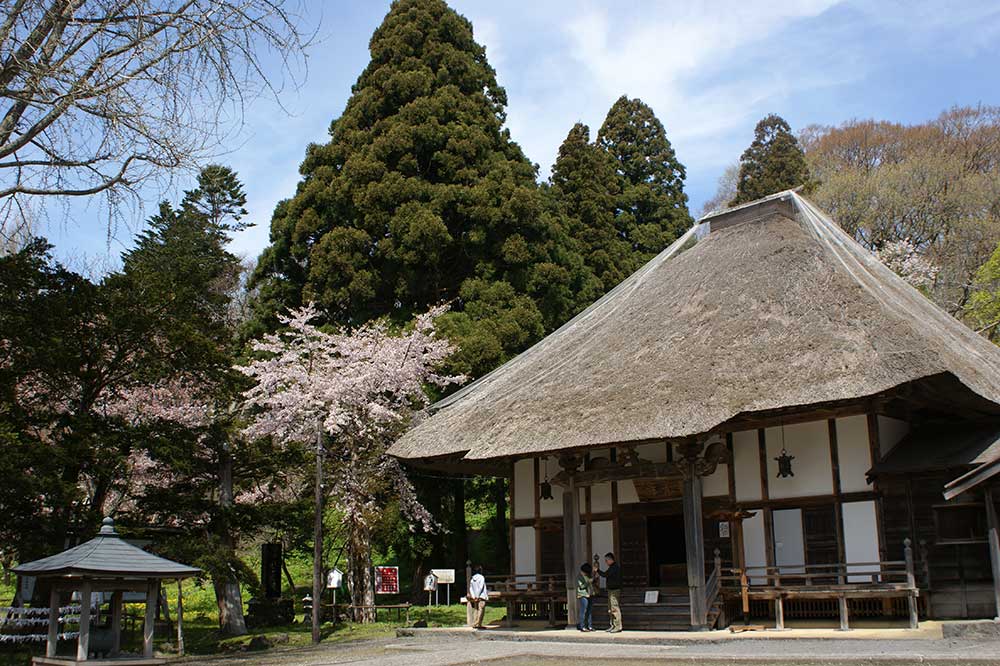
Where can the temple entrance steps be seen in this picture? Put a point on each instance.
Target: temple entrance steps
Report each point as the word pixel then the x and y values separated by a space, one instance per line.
pixel 672 612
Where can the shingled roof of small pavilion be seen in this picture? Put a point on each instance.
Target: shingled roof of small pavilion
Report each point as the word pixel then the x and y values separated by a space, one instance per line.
pixel 772 308
pixel 106 556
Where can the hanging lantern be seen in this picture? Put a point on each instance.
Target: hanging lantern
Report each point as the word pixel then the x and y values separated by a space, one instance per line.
pixel 784 460
pixel 545 488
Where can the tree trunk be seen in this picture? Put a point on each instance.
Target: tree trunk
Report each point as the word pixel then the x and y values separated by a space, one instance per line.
pixel 228 596
pixel 317 591
pixel 230 602
pixel 362 593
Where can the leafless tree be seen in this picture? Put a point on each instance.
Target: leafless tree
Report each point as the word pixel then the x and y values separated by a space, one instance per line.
pixel 101 96
pixel 725 190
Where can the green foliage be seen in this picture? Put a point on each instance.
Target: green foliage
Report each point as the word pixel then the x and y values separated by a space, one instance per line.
pixel 982 311
pixel 64 344
pixel 774 162
pixel 652 206
pixel 587 188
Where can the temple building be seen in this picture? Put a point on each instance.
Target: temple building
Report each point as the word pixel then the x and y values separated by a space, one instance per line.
pixel 764 421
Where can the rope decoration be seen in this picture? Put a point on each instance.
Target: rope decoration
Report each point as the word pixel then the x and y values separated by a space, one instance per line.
pixel 20 639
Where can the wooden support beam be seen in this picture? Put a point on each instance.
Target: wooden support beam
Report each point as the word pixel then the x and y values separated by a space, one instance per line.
pixel 116 621
pixel 180 619
pixel 572 551
pixel 53 638
pixel 620 472
pixel 911 583
pixel 83 642
pixel 838 503
pixel 994 540
pixel 694 541
pixel 150 620
pixel 845 623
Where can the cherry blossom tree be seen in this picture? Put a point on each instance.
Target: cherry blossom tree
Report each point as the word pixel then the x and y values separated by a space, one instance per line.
pixel 904 258
pixel 352 393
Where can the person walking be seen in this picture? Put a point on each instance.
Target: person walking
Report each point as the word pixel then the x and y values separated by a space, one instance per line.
pixel 613 583
pixel 478 596
pixel 585 598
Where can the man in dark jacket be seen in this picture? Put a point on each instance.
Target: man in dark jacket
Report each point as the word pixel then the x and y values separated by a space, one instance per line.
pixel 613 583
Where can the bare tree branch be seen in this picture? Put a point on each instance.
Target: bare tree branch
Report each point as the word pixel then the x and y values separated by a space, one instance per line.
pixel 100 96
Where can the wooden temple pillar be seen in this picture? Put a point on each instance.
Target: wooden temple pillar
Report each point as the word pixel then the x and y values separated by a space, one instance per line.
pixel 83 642
pixel 152 597
pixel 572 546
pixel 694 536
pixel 994 544
pixel 53 638
pixel 116 622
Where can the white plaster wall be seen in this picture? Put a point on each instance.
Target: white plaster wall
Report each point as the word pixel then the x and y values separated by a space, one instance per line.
pixel 890 431
pixel 854 453
pixel 602 535
pixel 652 452
pixel 716 483
pixel 524 489
pixel 626 493
pixel 754 546
pixel 860 536
pixel 747 465
pixel 789 545
pixel 600 498
pixel 810 444
pixel 524 552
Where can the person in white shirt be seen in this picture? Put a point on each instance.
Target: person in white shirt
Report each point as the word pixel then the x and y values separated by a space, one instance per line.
pixel 478 596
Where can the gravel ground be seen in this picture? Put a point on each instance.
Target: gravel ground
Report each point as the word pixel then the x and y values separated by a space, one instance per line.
pixel 452 651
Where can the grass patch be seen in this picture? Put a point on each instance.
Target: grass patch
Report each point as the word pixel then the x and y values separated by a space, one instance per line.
pixel 201 627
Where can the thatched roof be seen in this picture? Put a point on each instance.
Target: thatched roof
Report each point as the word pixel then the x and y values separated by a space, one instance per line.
pixel 773 307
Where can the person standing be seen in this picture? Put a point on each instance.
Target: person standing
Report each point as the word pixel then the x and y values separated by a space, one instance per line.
pixel 613 583
pixel 585 598
pixel 478 596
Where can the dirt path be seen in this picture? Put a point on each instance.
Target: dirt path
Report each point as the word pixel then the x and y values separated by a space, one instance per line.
pixel 451 651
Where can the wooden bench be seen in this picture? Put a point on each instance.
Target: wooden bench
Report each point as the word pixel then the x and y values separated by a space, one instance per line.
pixel 399 608
pixel 852 580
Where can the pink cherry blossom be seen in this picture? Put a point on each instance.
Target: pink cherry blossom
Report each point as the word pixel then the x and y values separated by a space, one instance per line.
pixel 359 387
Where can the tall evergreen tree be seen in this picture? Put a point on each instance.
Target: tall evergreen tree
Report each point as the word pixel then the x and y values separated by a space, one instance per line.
pixel 586 186
pixel 652 207
pixel 421 196
pixel 773 162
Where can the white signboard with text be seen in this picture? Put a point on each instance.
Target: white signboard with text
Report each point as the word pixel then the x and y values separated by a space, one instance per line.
pixel 444 576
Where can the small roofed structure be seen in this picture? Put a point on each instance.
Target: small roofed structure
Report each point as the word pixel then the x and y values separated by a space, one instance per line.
pixel 106 563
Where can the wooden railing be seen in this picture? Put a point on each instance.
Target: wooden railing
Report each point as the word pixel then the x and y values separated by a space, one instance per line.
pixel 532 594
pixel 840 581
pixel 713 586
pixel 521 584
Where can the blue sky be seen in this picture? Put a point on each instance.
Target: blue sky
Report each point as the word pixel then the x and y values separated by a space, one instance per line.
pixel 709 69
